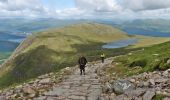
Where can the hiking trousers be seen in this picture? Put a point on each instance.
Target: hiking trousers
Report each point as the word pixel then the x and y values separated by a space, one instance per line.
pixel 82 69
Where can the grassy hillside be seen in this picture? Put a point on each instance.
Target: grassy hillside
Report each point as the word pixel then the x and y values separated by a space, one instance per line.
pixel 52 50
pixel 3 56
pixel 150 59
pixel 161 25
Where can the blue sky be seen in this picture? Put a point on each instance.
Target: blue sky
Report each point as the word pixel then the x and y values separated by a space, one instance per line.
pixel 85 9
pixel 59 4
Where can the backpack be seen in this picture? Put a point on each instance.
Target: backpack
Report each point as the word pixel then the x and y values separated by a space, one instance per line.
pixel 82 61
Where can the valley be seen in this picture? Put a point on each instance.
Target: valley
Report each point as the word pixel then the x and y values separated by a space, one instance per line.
pixel 43 52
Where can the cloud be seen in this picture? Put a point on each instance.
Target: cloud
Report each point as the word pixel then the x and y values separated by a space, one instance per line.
pixel 97 5
pixel 138 5
pixel 21 8
pixel 88 9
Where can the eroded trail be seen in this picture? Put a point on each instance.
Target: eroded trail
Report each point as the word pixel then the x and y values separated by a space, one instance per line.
pixel 76 87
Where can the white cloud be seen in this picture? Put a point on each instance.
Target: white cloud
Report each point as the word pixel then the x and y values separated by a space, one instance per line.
pixel 21 8
pixel 138 5
pixel 88 9
pixel 97 5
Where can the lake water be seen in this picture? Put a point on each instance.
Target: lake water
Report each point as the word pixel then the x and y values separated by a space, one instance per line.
pixel 120 44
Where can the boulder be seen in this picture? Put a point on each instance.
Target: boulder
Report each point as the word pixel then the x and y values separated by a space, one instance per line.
pixel 138 92
pixel 120 86
pixel 149 95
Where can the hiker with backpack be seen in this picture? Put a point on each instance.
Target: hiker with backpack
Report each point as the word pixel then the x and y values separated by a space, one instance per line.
pixel 82 64
pixel 102 56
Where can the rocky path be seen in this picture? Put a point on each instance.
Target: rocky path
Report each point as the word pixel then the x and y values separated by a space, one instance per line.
pixel 76 87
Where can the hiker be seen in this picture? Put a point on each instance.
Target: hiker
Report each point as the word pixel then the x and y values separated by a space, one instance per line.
pixel 102 57
pixel 82 64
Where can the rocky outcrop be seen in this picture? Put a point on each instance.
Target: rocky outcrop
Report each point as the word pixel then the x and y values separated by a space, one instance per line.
pixel 35 87
pixel 146 87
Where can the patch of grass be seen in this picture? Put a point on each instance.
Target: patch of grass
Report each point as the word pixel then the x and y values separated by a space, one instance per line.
pixel 3 56
pixel 150 59
pixel 159 97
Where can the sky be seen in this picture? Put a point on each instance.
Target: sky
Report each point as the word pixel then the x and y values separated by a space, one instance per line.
pixel 85 9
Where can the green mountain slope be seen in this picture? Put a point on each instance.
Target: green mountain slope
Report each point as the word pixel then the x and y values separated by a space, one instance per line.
pixel 152 58
pixel 52 50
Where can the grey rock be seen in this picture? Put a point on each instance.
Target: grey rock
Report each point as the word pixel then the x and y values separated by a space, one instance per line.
pixel 120 86
pixel 121 97
pixel 112 96
pixel 41 98
pixel 138 92
pixel 161 80
pixel 107 88
pixel 145 84
pixel 166 98
pixel 2 98
pixel 165 74
pixel 149 95
pixel 132 80
pixel 56 92
pixel 28 90
pixel 45 81
pixel 104 97
pixel 152 82
pixel 168 62
pixel 74 97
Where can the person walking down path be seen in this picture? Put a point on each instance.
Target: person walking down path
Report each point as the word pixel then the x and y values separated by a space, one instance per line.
pixel 102 57
pixel 82 64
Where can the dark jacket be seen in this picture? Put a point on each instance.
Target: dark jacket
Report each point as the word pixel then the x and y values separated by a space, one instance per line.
pixel 82 61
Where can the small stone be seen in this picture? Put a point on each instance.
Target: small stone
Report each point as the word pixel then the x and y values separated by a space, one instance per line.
pixel 132 80
pixel 145 84
pixel 45 81
pixel 104 97
pixel 112 96
pixel 32 95
pixel 155 54
pixel 28 90
pixel 152 82
pixel 41 98
pixel 166 73
pixel 74 97
pixel 168 62
pixel 107 88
